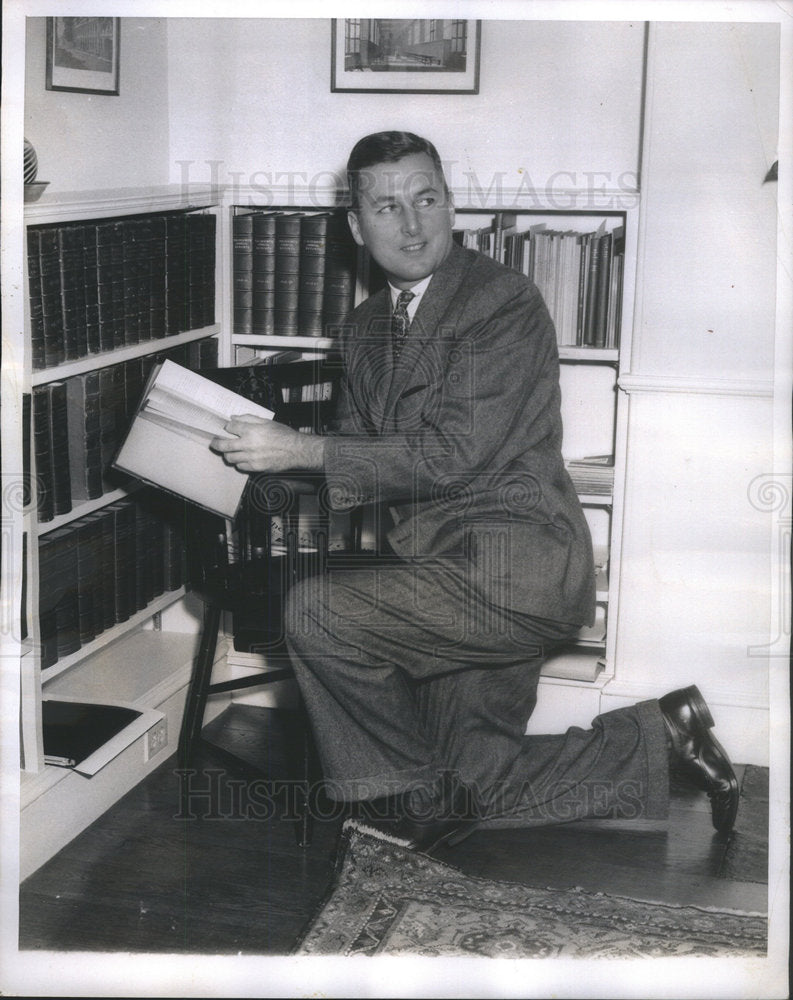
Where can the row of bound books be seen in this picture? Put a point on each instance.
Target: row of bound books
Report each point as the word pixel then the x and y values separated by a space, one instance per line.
pixel 97 286
pixel 579 274
pixel 80 422
pixel 102 568
pixel 294 272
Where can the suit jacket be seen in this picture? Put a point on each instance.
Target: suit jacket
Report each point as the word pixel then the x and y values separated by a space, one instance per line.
pixel 462 437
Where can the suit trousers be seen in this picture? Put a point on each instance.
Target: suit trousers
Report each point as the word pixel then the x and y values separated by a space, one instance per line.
pixel 409 673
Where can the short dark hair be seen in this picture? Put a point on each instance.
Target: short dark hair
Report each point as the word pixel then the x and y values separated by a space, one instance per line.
pixel 385 147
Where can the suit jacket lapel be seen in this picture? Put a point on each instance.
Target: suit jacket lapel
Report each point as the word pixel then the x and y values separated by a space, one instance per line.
pixel 425 326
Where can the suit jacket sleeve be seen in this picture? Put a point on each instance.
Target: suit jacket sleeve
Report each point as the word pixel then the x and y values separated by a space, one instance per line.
pixel 463 436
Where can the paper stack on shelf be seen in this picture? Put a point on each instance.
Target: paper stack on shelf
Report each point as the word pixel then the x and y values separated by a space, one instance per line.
pixel 593 474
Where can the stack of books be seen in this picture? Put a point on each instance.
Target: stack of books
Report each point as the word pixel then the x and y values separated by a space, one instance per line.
pixel 294 272
pixel 97 286
pixel 593 475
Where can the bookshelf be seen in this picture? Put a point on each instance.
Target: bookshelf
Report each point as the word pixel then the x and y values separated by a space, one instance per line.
pixel 146 659
pixel 569 223
pixel 112 282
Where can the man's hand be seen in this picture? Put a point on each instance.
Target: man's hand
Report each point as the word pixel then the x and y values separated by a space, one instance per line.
pixel 262 445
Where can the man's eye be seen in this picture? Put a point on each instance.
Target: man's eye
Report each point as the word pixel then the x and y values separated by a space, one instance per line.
pixel 425 202
pixel 387 208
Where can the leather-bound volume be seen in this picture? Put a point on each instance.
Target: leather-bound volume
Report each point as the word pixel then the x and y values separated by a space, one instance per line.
pixel 42 453
pixel 59 449
pixel 242 272
pixel 263 278
pixel 84 430
pixel 340 273
pixel 287 273
pixel 313 260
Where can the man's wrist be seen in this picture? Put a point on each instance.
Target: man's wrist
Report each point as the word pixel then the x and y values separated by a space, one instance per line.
pixel 314 452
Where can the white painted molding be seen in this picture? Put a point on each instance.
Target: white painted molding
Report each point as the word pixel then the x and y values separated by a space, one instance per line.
pixel 696 386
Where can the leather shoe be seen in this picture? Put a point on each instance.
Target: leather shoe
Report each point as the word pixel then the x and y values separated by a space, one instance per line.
pixel 695 753
pixel 422 824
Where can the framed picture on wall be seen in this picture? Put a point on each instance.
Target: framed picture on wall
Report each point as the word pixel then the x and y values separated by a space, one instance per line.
pixel 82 54
pixel 405 55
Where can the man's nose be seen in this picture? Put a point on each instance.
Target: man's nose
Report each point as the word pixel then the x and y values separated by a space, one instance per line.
pixel 410 221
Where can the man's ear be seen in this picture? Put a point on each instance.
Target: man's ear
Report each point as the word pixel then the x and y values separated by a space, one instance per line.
pixel 450 207
pixel 355 229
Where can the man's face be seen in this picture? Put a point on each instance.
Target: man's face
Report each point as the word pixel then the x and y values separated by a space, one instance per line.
pixel 404 218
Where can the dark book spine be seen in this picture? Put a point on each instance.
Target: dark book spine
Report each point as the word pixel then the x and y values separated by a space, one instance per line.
pixel 89 577
pixel 134 382
pixel 287 273
pixel 603 286
pixel 72 285
pixel 91 287
pixel 51 305
pixel 105 604
pixel 176 308
pixel 242 272
pixel 42 453
pixel 110 289
pixel 313 258
pixel 61 592
pixel 112 420
pixel 84 423
pixel 200 269
pixel 591 292
pixel 157 278
pixel 203 354
pixel 263 280
pixel 132 266
pixel 583 271
pixel 35 303
pixel 124 559
pixel 145 554
pixel 59 449
pixel 47 602
pixel 340 271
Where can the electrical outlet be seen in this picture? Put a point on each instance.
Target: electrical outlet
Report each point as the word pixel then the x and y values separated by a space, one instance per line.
pixel 157 738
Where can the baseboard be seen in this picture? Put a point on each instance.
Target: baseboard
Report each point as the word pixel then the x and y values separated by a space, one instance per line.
pixel 742 723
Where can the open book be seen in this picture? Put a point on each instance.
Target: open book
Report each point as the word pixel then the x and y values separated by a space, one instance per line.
pixel 168 442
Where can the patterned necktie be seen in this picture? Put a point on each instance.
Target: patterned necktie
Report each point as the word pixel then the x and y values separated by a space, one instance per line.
pixel 400 322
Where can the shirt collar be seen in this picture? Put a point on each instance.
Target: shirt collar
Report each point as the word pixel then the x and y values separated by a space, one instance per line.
pixel 418 290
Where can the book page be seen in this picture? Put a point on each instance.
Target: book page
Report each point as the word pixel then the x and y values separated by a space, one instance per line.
pixel 207 395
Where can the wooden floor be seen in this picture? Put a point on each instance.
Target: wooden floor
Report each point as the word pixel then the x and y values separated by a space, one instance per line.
pixel 233 880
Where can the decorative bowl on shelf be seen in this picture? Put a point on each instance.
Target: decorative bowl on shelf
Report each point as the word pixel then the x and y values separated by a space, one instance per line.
pixel 35 190
pixel 31 163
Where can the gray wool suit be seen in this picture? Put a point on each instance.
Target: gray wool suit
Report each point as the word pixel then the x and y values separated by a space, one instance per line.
pixel 429 662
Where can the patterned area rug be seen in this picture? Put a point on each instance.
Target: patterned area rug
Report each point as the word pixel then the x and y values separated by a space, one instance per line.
pixel 386 900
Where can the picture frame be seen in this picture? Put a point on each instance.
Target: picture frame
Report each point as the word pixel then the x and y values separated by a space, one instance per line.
pixel 405 55
pixel 83 54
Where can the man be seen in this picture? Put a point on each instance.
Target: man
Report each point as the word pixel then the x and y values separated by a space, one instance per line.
pixel 420 672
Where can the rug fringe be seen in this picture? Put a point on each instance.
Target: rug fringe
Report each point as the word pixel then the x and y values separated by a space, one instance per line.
pixel 363 827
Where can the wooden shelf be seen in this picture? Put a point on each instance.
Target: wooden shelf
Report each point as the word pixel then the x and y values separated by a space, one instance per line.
pixel 112 635
pixel 69 206
pixel 121 354
pixel 590 355
pixel 283 343
pixel 43 527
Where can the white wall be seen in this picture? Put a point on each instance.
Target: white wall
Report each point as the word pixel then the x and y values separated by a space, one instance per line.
pixel 554 96
pixel 696 584
pixel 88 141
